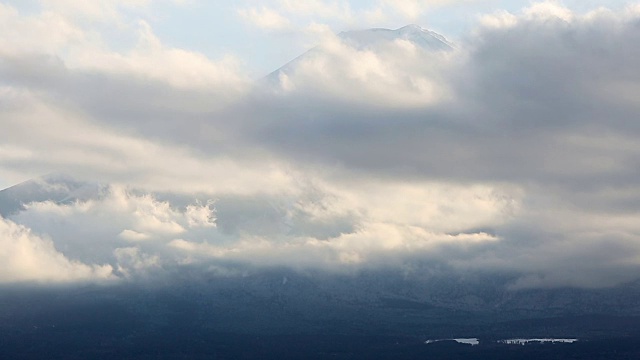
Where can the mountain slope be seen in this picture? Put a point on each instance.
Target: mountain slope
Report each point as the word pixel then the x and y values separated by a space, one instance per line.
pixel 53 187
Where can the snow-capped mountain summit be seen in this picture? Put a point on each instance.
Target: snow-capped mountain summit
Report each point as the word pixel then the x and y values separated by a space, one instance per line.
pixel 370 38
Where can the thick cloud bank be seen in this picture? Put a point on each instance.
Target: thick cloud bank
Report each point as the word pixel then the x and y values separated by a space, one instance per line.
pixel 140 235
pixel 513 151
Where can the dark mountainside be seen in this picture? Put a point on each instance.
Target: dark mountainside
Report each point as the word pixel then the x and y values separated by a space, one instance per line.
pixel 370 316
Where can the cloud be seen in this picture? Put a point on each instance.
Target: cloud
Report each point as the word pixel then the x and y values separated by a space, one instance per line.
pixel 26 257
pixel 82 49
pixel 74 104
pixel 114 12
pixel 311 227
pixel 264 18
pixel 538 102
pixel 338 14
pixel 41 137
pixel 152 60
pixel 300 15
pixel 412 10
pixel 392 74
pixel 327 9
pixel 371 246
pixel 44 33
pixel 115 227
pixel 558 245
pixel 548 10
pixel 516 152
pixel 507 92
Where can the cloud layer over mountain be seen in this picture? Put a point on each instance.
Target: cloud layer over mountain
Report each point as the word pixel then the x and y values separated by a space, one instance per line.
pixel 514 151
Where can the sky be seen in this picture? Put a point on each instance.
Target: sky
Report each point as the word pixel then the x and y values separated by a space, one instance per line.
pixel 263 35
pixel 512 152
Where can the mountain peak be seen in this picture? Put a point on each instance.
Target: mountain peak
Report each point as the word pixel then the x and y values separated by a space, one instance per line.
pixel 375 39
pixel 424 38
pixel 412 27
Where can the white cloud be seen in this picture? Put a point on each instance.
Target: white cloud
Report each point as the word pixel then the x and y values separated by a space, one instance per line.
pixel 133 235
pixel 264 18
pixel 104 228
pixel 346 13
pixel 300 15
pixel 107 11
pixel 435 206
pixel 26 257
pixel 152 60
pixel 42 138
pixel 133 263
pixel 80 48
pixel 322 8
pixel 548 9
pixel 201 216
pixel 132 216
pixel 500 19
pixel 46 32
pixel 391 74
pixel 104 11
pixel 516 152
pixel 313 226
pixel 372 245
pixel 411 10
pixel 543 101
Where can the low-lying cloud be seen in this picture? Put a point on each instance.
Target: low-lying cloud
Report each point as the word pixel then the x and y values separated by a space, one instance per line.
pixel 310 228
pixel 26 257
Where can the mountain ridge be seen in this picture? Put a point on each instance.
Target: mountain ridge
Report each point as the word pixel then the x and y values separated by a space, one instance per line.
pixel 425 38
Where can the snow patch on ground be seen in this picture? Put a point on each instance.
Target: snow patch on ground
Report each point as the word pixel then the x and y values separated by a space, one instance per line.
pixel 526 341
pixel 470 341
